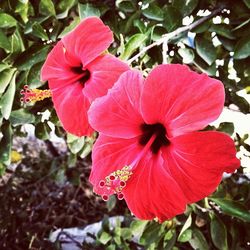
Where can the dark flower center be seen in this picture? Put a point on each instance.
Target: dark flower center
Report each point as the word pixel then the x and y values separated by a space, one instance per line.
pixel 148 130
pixel 85 74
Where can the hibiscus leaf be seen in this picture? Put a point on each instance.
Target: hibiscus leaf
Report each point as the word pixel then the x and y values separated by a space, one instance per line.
pixel 132 45
pixel 186 7
pixel 198 241
pixel 21 116
pixel 185 226
pixel 242 48
pixel 153 12
pixel 46 7
pixel 6 143
pixel 86 10
pixel 7 21
pixel 218 232
pixel 233 208
pixel 8 98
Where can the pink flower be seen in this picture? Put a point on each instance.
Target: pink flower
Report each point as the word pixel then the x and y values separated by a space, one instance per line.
pixel 79 70
pixel 149 151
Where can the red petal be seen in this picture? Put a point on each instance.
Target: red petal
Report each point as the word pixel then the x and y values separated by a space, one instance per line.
pixel 56 65
pixel 88 40
pixel 71 107
pixel 117 113
pixel 105 71
pixel 150 192
pixel 197 161
pixel 110 154
pixel 181 99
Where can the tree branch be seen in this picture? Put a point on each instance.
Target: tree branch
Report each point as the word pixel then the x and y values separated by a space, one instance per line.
pixel 166 37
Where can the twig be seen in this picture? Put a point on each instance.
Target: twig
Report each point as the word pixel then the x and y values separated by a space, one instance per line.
pixel 171 35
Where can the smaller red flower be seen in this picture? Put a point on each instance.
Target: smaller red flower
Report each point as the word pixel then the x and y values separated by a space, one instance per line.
pixel 78 71
pixel 149 150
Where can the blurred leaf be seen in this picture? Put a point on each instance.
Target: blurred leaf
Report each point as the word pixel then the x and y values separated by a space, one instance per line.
pixel 241 102
pixel 242 48
pixel 185 236
pixel 105 238
pixel 7 21
pixel 38 31
pixel 222 29
pixel 151 234
pixel 46 7
pixel 185 226
pixel 111 202
pixel 126 5
pixel 186 54
pixel 198 241
pixel 205 49
pixel 247 2
pixel 70 27
pixel 31 56
pixel 5 78
pixel 138 226
pixel 186 7
pixel 4 42
pixel 41 131
pixel 7 99
pixel 218 232
pixel 227 127
pixel 6 144
pixel 22 9
pixel 132 45
pixel 172 18
pixel 21 116
pixel 86 10
pixel 63 8
pixel 153 12
pixel 75 143
pixel 233 208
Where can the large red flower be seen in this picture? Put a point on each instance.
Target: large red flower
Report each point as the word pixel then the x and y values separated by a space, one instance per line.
pixel 78 70
pixel 149 150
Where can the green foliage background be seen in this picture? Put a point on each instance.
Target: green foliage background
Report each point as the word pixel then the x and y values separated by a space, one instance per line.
pixel 28 31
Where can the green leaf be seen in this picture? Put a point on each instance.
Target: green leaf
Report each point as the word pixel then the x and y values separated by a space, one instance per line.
pixel 21 116
pixel 185 236
pixel 153 12
pixel 63 8
pixel 105 238
pixel 247 3
pixel 111 202
pixel 233 208
pixel 86 10
pixel 41 131
pixel 38 31
pixel 46 8
pixel 198 241
pixel 218 232
pixel 205 49
pixel 223 30
pixel 70 27
pixel 17 43
pixel 151 234
pixel 7 21
pixel 31 56
pixel 185 227
pixel 4 42
pixel 5 78
pixel 242 48
pixel 132 45
pixel 8 98
pixel 6 143
pixel 22 9
pixel 126 5
pixel 186 54
pixel 75 143
pixel 186 7
pixel 227 127
pixel 172 18
pixel 138 226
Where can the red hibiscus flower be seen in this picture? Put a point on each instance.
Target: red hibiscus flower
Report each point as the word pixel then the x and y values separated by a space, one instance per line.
pixel 149 150
pixel 78 70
